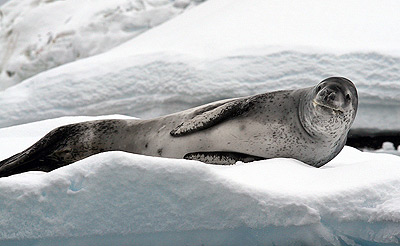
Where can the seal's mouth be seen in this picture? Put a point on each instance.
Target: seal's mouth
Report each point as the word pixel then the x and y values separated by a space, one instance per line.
pixel 327 107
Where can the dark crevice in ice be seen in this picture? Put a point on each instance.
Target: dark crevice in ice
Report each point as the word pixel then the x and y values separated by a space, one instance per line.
pixel 372 138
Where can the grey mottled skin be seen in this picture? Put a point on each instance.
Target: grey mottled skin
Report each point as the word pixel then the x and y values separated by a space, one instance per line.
pixel 309 125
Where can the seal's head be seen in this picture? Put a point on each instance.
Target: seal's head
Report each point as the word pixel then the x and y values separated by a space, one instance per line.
pixel 329 108
pixel 335 96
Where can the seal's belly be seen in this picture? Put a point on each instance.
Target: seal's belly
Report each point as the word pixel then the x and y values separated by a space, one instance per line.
pixel 243 136
pixel 268 139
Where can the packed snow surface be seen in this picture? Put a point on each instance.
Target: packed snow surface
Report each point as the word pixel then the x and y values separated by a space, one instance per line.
pixel 36 35
pixel 220 49
pixel 3 2
pixel 224 49
pixel 148 86
pixel 135 200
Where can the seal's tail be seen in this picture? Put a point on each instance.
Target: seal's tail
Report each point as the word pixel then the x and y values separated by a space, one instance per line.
pixel 35 158
pixel 18 163
pixel 64 145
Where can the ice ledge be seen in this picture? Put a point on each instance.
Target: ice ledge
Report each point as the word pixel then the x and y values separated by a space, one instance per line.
pixel 120 196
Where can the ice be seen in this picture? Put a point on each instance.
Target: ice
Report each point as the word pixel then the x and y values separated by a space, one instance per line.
pixel 220 49
pixel 38 35
pixel 210 53
pixel 149 200
pixel 152 85
pixel 388 146
pixel 3 2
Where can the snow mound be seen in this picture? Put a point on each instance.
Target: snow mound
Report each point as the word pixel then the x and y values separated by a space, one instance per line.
pixel 221 27
pixel 38 35
pixel 3 1
pixel 211 53
pixel 121 198
pixel 152 85
pixel 388 148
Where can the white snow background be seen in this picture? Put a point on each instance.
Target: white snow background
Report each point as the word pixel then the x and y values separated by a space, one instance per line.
pixel 223 49
pixel 219 49
pixel 3 2
pixel 37 35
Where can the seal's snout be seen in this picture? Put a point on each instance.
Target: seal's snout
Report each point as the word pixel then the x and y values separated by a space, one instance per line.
pixel 335 94
pixel 331 96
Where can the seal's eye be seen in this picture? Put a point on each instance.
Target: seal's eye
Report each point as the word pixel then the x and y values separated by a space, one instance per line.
pixel 348 97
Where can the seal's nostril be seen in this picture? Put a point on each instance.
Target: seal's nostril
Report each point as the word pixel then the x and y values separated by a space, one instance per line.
pixel 348 97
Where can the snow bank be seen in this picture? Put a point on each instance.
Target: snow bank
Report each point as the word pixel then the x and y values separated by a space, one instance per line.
pixel 220 49
pixel 221 27
pixel 3 2
pixel 223 49
pixel 121 198
pixel 148 86
pixel 38 35
pixel 388 148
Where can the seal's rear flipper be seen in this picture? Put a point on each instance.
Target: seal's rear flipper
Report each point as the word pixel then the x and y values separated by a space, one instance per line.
pixel 221 158
pixel 62 146
pixel 49 153
pixel 22 162
pixel 35 158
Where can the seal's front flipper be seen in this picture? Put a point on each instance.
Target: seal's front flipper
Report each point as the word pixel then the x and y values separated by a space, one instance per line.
pixel 221 158
pixel 212 117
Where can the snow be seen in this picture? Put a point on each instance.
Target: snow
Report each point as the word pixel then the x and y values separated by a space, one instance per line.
pixel 210 53
pixel 38 35
pixel 220 49
pixel 221 27
pixel 3 2
pixel 144 198
pixel 152 85
pixel 388 148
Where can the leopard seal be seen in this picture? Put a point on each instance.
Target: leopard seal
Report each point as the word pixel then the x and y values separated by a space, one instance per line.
pixel 309 124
